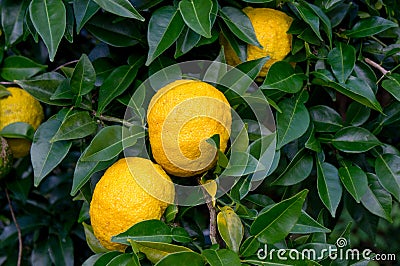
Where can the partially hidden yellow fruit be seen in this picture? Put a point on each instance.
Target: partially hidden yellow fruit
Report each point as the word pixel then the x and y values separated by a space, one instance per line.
pixel 270 27
pixel 181 117
pixel 20 106
pixel 131 190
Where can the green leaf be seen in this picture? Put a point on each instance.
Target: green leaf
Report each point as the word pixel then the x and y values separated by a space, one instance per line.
pixel 179 234
pixel 354 180
pixel 84 10
pixel 77 125
pixel 392 85
pixel 294 122
pixel 155 251
pixel 165 26
pixel 309 16
pixel 241 163
pixel 281 76
pixel 297 170
pixel 275 224
pixel 197 15
pixel 91 240
pixel 42 87
pixel 326 23
pixel 182 258
pixel 329 186
pixel 20 67
pixel 221 257
pixel 240 25
pixel 230 228
pixel 377 200
pixel 40 254
pixel 49 19
pixel 307 225
pixel 387 168
pixel 186 42
pixel 148 230
pixel 12 20
pixel 354 140
pixel 229 39
pixel 45 156
pixel 249 246
pixel 325 119
pixel 369 26
pixel 61 250
pixel 358 90
pixel 357 114
pixel 342 60
pixel 127 259
pixel 19 130
pixel 110 141
pixel 122 8
pixel 105 258
pixel 110 30
pixel 116 83
pixel 83 77
pixel 84 170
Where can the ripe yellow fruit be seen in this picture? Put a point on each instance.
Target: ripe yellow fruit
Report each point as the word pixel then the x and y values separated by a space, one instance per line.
pixel 131 190
pixel 270 27
pixel 181 117
pixel 20 106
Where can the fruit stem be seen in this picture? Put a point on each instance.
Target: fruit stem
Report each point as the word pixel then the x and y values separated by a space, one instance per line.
pixel 17 227
pixel 114 119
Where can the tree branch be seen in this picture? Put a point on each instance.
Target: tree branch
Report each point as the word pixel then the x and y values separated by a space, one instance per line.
pixel 17 227
pixel 376 65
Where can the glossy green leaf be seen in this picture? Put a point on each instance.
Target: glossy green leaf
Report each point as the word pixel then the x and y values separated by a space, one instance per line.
pixel 325 22
pixel 84 170
pixel 275 224
pixel 357 114
pixel 297 170
pixel 377 200
pixel 342 60
pixel 83 77
pixel 354 180
pixel 179 234
pixel 369 26
pixel 75 126
pixel 122 8
pixel 165 26
pixel 387 168
pixel 197 15
pixel 182 258
pixel 12 20
pixel 329 186
pixel 392 85
pixel 105 258
pixel 155 251
pixel 162 71
pixel 43 86
pixel 249 247
pixel 309 16
pixel 148 230
pixel 307 225
pixel 61 250
pixel 354 140
pixel 294 122
pixel 325 118
pixel 92 241
pixel 126 259
pixel 241 163
pixel 240 25
pixel 116 83
pixel 110 141
pixel 84 10
pixel 49 19
pixel 221 257
pixel 186 41
pixel 18 130
pixel 45 155
pixel 238 46
pixel 282 76
pixel 230 228
pixel 20 67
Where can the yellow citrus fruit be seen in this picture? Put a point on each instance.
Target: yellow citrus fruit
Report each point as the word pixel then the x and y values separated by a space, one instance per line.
pixel 131 190
pixel 181 117
pixel 20 106
pixel 270 27
pixel 6 158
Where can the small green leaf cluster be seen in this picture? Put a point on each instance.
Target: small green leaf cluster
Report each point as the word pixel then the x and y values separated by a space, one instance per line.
pixel 330 169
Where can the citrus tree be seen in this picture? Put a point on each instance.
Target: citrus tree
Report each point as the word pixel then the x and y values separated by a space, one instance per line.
pixel 276 121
